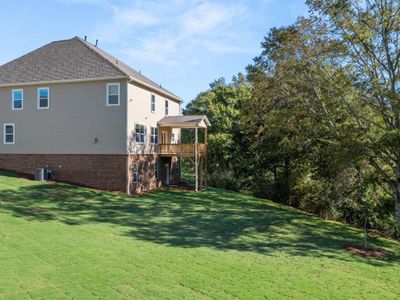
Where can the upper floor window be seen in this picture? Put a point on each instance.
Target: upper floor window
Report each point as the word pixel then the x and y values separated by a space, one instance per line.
pixel 140 133
pixel 43 98
pixel 154 135
pixel 153 103
pixel 113 94
pixel 166 107
pixel 9 133
pixel 17 99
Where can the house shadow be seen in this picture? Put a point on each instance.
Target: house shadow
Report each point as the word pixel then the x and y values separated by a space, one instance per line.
pixel 217 219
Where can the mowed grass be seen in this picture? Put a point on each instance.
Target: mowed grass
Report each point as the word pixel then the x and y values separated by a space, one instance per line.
pixel 61 241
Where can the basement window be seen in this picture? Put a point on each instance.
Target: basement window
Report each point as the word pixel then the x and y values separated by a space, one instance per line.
pixel 156 169
pixel 140 133
pixel 9 133
pixel 154 135
pixel 17 99
pixel 135 173
pixel 113 94
pixel 43 98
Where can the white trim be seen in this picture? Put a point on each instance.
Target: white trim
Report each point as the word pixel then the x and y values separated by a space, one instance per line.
pixel 152 88
pixel 4 133
pixel 62 81
pixel 38 97
pixel 153 135
pixel 153 96
pixel 144 134
pixel 12 99
pixel 119 94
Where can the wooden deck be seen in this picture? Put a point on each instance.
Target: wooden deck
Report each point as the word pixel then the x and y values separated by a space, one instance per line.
pixel 180 149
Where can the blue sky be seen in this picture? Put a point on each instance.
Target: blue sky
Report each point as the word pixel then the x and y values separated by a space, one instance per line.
pixel 182 44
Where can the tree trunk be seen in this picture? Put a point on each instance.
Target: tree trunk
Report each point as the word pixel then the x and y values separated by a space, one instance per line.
pixel 397 202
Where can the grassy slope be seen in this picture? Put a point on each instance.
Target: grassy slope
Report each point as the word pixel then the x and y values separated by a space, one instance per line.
pixel 61 241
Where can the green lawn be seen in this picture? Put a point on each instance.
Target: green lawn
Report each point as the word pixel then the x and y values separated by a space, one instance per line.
pixel 60 241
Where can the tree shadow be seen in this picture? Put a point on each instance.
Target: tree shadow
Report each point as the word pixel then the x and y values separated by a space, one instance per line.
pixel 215 218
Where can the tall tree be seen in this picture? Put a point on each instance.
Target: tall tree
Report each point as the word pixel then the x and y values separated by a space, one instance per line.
pixel 222 103
pixel 371 31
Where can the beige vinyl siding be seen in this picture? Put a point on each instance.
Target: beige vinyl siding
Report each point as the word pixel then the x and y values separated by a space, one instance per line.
pixel 139 111
pixel 77 115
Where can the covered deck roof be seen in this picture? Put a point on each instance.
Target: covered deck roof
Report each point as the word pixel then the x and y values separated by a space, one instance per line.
pixel 199 121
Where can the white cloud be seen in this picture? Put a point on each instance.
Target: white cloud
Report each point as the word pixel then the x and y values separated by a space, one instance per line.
pixel 176 32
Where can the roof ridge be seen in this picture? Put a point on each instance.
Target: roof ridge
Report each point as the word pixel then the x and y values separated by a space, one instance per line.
pixel 91 48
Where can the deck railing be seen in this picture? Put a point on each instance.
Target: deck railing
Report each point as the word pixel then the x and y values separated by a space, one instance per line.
pixel 180 149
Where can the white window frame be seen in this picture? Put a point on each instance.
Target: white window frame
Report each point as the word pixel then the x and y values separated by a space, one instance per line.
pixel 153 137
pixel 4 133
pixel 166 107
pixel 135 172
pixel 108 94
pixel 153 103
pixel 13 99
pixel 144 134
pixel 48 98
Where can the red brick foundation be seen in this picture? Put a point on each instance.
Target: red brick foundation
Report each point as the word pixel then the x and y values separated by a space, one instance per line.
pixel 106 172
pixel 147 180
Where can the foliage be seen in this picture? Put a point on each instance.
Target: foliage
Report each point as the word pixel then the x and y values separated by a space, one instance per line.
pixel 222 104
pixel 318 127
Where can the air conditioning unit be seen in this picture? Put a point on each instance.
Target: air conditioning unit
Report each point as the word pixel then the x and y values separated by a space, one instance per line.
pixel 39 174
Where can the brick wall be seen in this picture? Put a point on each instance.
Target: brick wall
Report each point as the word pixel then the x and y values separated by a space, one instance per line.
pixel 146 180
pixel 106 172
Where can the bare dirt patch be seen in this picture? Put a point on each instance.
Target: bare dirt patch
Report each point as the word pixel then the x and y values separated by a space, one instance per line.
pixel 368 252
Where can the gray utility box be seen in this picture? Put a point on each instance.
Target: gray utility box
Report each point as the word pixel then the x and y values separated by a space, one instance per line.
pixel 39 174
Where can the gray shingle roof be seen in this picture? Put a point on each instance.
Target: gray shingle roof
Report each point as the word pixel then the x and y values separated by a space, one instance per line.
pixel 185 121
pixel 72 59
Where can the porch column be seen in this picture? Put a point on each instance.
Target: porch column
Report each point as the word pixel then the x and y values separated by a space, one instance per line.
pixel 196 158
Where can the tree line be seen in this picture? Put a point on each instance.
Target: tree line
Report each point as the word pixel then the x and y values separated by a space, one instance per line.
pixel 315 121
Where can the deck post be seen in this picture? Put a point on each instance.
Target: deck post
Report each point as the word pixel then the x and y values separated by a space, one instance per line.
pixel 205 156
pixel 196 158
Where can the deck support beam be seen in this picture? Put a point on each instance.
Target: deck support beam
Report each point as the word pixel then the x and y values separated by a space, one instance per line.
pixel 196 158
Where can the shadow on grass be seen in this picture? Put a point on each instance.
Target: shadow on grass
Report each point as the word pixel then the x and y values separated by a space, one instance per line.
pixel 214 218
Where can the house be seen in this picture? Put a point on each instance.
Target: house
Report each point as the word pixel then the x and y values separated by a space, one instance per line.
pixel 93 120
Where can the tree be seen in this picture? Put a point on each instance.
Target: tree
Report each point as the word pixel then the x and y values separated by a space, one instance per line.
pixel 221 103
pixel 371 31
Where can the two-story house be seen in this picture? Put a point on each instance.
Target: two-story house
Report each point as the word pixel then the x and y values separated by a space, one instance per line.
pixel 92 120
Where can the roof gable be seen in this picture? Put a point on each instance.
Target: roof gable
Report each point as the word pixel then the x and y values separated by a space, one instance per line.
pixel 60 60
pixel 73 59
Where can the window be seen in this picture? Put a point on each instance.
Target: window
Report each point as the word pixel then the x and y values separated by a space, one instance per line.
pixel 43 98
pixel 173 138
pixel 153 103
pixel 17 99
pixel 140 133
pixel 154 135
pixel 9 133
pixel 156 169
pixel 166 107
pixel 113 94
pixel 135 173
